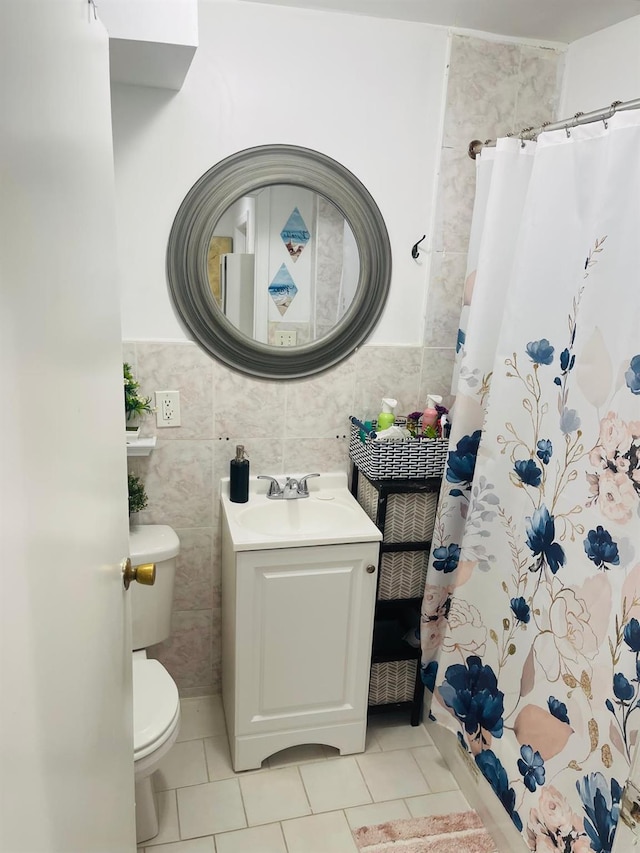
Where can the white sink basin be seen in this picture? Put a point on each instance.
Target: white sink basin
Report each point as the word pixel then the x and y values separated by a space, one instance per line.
pixel 299 517
pixel 329 515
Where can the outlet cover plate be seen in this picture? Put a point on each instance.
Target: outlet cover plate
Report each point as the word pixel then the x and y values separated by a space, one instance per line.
pixel 167 409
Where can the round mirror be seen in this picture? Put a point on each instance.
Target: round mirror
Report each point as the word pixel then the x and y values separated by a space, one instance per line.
pixel 279 262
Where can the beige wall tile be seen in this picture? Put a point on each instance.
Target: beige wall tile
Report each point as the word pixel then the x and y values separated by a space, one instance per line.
pixel 445 299
pixel 178 480
pixel 194 586
pixel 317 407
pixel 187 654
pixel 539 86
pixel 244 406
pixel 387 372
pixel 184 368
pixel 437 369
pixel 457 189
pixel 315 455
pixel 481 93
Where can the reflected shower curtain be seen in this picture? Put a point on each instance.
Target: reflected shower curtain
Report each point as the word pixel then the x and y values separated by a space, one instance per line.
pixel 531 614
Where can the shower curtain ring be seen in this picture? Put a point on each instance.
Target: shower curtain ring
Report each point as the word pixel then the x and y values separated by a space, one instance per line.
pixel 522 133
pixel 567 131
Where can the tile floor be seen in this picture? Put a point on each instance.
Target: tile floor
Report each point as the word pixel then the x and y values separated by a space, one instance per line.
pixel 303 800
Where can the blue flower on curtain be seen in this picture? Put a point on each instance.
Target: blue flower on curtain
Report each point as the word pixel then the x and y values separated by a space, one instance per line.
pixel 496 776
pixel 540 352
pixel 600 548
pixel 632 375
pixel 528 472
pixel 569 421
pixel 558 709
pixel 567 361
pixel 602 807
pixel 428 674
pixel 541 531
pixel 472 693
pixel 461 339
pixel 446 559
pixel 545 450
pixel 632 635
pixel 520 609
pixel 622 688
pixel 462 461
pixel 531 766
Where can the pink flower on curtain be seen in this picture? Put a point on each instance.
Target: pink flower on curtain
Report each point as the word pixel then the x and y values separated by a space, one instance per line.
pixel 616 485
pixel 617 497
pixel 566 640
pixel 435 607
pixel 554 826
pixel 466 632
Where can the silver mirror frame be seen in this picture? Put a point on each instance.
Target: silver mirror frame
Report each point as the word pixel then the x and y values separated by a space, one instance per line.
pixel 191 233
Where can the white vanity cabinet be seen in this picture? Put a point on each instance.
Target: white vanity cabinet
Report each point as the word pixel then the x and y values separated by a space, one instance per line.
pixel 297 624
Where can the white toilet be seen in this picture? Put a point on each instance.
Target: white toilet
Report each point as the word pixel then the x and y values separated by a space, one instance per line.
pixel 156 704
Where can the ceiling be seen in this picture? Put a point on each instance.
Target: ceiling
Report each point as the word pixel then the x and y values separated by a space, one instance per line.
pixel 546 20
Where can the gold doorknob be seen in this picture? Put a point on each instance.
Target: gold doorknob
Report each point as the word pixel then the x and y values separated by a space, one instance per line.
pixel 145 573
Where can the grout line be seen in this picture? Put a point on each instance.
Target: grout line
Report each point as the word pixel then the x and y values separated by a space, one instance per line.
pixel 284 837
pixel 175 794
pixel 308 799
pixel 244 808
pixel 206 760
pixel 364 779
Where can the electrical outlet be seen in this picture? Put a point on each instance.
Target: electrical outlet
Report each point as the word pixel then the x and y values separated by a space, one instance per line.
pixel 168 408
pixel 286 339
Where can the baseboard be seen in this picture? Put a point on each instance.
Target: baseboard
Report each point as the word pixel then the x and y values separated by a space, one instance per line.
pixel 477 790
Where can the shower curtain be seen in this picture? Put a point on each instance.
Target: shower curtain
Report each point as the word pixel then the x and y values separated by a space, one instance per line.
pixel 531 615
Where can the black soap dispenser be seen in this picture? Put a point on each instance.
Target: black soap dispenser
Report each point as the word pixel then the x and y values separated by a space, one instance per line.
pixel 239 477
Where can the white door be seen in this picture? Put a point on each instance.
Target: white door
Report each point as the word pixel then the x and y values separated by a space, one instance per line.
pixel 66 755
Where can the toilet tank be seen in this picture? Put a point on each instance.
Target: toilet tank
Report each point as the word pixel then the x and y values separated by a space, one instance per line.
pixel 151 605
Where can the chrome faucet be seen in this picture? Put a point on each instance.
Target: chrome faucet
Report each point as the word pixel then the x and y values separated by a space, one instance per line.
pixel 292 489
pixel 275 489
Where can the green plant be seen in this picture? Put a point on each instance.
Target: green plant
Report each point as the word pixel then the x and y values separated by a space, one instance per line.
pixel 134 403
pixel 137 495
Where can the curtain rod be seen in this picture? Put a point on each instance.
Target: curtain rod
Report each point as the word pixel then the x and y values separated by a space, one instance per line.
pixel 475 146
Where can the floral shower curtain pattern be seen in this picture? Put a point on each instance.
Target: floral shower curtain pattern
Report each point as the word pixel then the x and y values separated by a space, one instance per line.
pixel 531 613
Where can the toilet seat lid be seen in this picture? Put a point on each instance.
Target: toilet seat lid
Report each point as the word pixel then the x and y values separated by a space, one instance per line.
pixel 155 705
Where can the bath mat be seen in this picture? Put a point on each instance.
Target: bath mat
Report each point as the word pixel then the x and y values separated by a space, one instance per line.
pixel 461 832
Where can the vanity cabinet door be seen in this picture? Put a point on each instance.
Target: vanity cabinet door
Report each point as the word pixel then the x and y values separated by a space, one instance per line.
pixel 304 621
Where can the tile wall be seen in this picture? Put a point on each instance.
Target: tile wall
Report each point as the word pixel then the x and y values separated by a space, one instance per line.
pixel 301 426
pixel 494 88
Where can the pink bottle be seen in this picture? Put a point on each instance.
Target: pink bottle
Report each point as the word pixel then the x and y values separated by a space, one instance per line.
pixel 430 415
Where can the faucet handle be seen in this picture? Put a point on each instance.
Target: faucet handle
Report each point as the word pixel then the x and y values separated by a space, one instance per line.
pixel 274 486
pixel 303 489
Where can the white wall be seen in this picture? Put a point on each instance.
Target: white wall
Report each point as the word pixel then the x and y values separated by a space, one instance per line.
pixel 602 68
pixel 365 91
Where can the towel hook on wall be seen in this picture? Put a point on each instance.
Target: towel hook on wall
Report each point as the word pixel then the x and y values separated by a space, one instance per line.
pixel 414 251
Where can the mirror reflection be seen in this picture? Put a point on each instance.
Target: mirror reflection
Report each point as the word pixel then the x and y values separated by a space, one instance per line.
pixel 283 265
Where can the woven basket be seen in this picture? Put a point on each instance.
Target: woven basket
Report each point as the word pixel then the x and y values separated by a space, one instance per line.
pixel 392 681
pixel 402 574
pixel 409 517
pixel 398 460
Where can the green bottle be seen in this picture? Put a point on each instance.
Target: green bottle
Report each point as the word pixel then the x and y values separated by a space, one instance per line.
pixel 386 418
